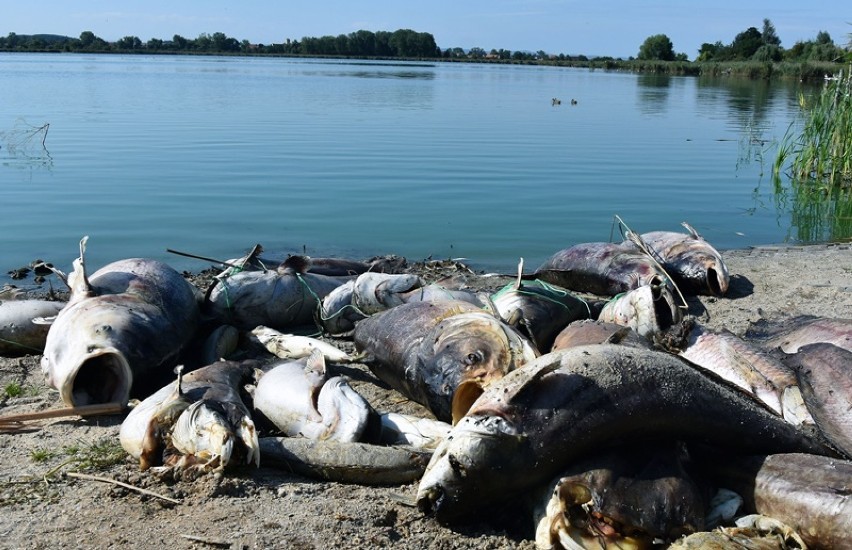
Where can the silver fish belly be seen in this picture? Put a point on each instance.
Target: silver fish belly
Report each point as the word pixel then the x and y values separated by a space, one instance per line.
pixel 20 334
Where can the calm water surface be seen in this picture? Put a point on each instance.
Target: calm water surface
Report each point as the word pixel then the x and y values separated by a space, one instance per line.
pixel 212 154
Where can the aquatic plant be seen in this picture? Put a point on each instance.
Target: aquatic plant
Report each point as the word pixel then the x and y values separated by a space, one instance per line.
pixel 822 152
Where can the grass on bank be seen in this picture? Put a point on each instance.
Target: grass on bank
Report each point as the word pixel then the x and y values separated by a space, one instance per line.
pixel 822 152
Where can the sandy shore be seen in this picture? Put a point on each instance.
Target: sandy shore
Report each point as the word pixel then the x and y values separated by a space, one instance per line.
pixel 42 507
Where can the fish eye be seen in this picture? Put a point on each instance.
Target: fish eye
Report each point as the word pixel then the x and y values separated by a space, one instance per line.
pixel 473 358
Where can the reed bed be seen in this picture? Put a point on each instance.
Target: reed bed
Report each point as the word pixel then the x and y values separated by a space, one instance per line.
pixel 822 152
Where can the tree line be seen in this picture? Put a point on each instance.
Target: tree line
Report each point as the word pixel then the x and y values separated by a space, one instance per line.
pixel 749 45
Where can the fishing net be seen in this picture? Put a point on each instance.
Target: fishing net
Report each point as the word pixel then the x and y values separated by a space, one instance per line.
pixel 25 143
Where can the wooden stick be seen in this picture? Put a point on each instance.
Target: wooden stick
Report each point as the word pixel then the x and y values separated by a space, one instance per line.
pixel 212 542
pixel 122 484
pixel 83 410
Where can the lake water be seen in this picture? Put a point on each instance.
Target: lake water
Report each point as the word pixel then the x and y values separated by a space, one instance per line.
pixel 211 155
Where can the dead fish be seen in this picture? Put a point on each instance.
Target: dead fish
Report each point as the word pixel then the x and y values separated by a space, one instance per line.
pixel 754 370
pixel 332 267
pixel 301 400
pixel 344 462
pixel 790 334
pixel 538 309
pixel 824 374
pixel 440 354
pixel 219 344
pixel 605 269
pixel 280 298
pixel 809 493
pixel 197 422
pixel 625 498
pixel 648 310
pixel 20 333
pixel 411 431
pixel 371 293
pixel 535 421
pixel 293 346
pixel 125 325
pixel 585 332
pixel 752 532
pixel 696 266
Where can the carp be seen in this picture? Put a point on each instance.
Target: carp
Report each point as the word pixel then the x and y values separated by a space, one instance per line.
pixel 824 373
pixel 696 266
pixel 199 421
pixel 539 310
pixel 792 333
pixel 128 322
pixel 601 268
pixel 535 421
pixel 440 354
pixel 625 498
pixel 750 368
pixel 21 330
pixel 300 399
pixel 277 298
pixel 582 333
pixel 648 310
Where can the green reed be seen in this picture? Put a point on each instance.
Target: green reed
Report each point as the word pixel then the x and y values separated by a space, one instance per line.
pixel 822 152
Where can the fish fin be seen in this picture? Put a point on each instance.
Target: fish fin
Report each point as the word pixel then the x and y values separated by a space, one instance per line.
pixel 78 281
pixel 179 372
pixel 296 264
pixel 518 283
pixel 44 320
pixel 316 362
pixel 692 232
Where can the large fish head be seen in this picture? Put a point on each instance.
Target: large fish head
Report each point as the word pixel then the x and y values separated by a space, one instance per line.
pixel 86 374
pixel 476 445
pixel 204 437
pixel 470 350
pixel 647 310
pixel 700 266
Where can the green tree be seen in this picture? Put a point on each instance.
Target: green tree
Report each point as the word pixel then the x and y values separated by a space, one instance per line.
pixel 658 46
pixel 770 37
pixel 180 42
pixel 129 43
pixel 746 44
pixel 87 39
pixel 154 44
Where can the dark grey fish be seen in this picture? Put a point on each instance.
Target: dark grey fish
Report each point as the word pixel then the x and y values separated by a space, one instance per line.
pixel 601 268
pixel 535 421
pixel 540 310
pixel 427 350
pixel 625 498
pixel 696 266
pixel 344 462
pixel 278 298
pixel 810 493
pixel 825 377
pixel 789 334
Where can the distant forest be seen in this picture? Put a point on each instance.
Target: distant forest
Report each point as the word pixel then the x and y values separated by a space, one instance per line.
pixel 750 47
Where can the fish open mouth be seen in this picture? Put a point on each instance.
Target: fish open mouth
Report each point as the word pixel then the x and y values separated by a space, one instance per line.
pixel 665 311
pixel 715 283
pixel 466 393
pixel 102 377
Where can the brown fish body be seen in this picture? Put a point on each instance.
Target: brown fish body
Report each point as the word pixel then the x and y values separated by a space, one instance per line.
pixel 585 332
pixel 810 493
pixel 425 350
pixel 601 268
pixel 792 333
pixel 535 421
pixel 696 266
pixel 638 494
pixel 825 377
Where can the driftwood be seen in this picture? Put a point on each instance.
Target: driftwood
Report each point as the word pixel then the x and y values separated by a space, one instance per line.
pixel 19 422
pixel 122 484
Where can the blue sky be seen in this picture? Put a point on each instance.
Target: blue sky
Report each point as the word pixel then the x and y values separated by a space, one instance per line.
pixel 591 27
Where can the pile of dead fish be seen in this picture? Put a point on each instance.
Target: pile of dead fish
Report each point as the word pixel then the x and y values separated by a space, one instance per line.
pixel 615 422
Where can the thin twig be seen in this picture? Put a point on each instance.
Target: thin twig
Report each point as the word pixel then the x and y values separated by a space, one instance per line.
pixel 212 542
pixel 82 410
pixel 122 484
